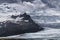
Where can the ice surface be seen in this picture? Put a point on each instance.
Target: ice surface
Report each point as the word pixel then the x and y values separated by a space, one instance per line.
pixel 37 10
pixel 40 12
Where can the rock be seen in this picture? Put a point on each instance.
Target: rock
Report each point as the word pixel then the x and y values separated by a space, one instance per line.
pixel 27 25
pixel 14 17
pixel 27 0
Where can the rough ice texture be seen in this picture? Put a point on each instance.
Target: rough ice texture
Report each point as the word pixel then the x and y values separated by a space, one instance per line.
pixel 47 12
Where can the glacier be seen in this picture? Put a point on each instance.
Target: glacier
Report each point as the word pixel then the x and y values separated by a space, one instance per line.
pixel 41 11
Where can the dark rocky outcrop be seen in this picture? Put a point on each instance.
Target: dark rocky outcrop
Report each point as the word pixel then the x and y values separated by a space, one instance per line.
pixel 27 0
pixel 25 26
